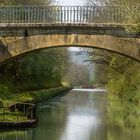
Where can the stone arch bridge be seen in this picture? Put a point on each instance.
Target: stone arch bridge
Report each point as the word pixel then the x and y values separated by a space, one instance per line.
pixel 69 28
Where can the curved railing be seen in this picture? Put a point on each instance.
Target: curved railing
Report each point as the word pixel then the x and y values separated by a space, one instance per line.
pixel 17 112
pixel 64 14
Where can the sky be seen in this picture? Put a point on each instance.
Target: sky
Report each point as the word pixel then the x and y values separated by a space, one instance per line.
pixel 70 2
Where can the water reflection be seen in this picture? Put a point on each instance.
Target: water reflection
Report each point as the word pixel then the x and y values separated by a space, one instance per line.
pixel 79 127
pixel 83 116
pixel 16 135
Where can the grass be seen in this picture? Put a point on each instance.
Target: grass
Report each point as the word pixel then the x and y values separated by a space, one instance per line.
pixel 8 116
pixel 12 118
pixel 41 95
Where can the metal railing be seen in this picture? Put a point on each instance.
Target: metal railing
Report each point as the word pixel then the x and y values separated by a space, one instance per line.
pixel 18 112
pixel 63 14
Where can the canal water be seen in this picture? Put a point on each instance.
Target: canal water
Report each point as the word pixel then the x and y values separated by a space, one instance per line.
pixel 83 115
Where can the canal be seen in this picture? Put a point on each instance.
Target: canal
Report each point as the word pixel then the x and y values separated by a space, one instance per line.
pixel 82 115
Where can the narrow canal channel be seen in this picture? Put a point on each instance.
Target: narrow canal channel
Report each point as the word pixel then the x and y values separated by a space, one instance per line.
pixel 78 115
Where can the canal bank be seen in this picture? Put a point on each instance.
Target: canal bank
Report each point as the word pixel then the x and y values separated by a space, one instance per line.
pixel 22 113
pixel 41 95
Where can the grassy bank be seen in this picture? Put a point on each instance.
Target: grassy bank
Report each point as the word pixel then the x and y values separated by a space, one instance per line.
pixel 124 79
pixel 31 96
pixel 10 101
pixel 41 95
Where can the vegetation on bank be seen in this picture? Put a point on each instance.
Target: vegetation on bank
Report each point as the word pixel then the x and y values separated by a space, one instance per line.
pixel 10 110
pixel 124 81
pixel 119 74
pixel 41 95
pixel 7 95
pixel 43 69
pixel 8 116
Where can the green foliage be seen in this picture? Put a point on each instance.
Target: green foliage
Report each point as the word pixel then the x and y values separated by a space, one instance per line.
pixel 25 2
pixel 122 75
pixel 126 81
pixel 41 95
pixel 38 70
pixel 6 115
pixel 130 9
pixel 9 116
pixel 5 93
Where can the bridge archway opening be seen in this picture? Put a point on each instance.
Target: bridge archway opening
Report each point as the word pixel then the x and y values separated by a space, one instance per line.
pixel 68 46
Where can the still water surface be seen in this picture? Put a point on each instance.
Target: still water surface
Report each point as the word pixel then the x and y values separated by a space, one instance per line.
pixel 82 115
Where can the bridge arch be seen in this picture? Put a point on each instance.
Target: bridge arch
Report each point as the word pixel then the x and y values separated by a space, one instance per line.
pixel 128 47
